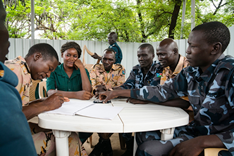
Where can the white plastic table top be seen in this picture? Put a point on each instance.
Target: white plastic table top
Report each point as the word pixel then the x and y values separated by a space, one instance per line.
pixel 147 117
pixel 133 118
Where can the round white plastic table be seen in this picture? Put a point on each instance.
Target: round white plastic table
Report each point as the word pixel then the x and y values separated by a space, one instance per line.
pixel 133 118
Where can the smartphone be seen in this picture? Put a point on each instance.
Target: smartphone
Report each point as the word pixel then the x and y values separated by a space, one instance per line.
pixel 100 101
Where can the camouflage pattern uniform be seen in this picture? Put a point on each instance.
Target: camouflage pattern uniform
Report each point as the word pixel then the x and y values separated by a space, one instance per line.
pixel 21 69
pixel 114 78
pixel 211 96
pixel 137 80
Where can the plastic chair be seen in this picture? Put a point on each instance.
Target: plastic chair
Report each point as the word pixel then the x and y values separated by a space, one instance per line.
pixel 213 151
pixel 42 89
pixel 32 90
pixel 88 66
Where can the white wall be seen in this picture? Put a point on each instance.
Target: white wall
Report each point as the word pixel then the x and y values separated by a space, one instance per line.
pixel 20 47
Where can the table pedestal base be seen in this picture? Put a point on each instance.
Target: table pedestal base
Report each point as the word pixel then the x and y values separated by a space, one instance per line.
pixel 167 134
pixel 61 141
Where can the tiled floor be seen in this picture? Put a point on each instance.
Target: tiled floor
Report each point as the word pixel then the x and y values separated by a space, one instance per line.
pixel 114 143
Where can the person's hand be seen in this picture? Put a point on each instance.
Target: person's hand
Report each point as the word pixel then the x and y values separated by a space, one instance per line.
pixel 105 96
pixel 184 148
pixel 135 101
pixel 101 88
pixel 85 95
pixel 78 64
pixel 96 56
pixel 55 101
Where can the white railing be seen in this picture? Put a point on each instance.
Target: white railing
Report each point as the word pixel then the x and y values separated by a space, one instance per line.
pixel 20 47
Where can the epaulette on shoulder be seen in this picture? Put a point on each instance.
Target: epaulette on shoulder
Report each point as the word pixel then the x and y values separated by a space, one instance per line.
pixel 96 66
pixel 118 66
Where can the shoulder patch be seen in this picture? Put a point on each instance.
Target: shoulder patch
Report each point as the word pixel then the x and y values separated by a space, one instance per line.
pixel 159 74
pixel 123 72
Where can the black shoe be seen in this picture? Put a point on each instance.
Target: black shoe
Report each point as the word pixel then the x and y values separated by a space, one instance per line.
pixel 103 146
pixel 129 146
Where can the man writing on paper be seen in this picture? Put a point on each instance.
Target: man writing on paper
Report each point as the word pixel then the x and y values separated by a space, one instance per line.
pixel 40 61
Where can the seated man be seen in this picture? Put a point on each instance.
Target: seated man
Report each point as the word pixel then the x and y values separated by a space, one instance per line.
pixel 170 59
pixel 15 133
pixel 172 63
pixel 40 61
pixel 208 83
pixel 146 73
pixel 105 76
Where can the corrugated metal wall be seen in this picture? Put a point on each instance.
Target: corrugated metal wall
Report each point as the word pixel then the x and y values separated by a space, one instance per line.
pixel 20 47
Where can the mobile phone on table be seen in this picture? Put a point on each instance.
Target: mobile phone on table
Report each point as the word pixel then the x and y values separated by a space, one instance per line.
pixel 100 101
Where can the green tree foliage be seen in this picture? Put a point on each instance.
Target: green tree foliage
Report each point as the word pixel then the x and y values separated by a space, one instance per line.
pixel 133 20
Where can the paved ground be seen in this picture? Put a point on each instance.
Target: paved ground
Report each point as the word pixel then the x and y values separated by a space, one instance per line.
pixel 114 142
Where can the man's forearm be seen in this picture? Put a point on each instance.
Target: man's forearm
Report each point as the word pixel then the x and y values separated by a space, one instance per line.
pixel 33 109
pixel 176 103
pixel 210 141
pixel 123 93
pixel 85 80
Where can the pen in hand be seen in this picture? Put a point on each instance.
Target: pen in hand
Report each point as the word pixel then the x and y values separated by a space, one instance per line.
pixel 56 89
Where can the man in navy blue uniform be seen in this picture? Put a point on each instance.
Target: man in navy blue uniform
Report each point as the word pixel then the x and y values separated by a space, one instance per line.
pixel 112 37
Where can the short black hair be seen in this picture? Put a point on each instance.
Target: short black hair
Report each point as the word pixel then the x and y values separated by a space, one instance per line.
pixel 147 45
pixel 215 32
pixel 70 45
pixel 46 50
pixel 109 50
pixel 115 35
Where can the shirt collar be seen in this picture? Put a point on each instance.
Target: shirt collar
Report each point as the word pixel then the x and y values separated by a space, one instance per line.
pixel 152 69
pixel 20 60
pixel 60 70
pixel 113 68
pixel 179 67
pixel 114 44
pixel 206 76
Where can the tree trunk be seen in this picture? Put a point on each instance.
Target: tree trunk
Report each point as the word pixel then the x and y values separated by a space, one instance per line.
pixel 174 18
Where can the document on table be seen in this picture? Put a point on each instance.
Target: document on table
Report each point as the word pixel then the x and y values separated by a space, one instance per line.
pixel 71 107
pixel 87 108
pixel 102 111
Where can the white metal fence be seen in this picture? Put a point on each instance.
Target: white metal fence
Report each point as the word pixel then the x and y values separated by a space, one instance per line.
pixel 20 47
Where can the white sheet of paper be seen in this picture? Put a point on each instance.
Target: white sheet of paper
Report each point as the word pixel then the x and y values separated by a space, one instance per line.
pixel 71 107
pixel 100 111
